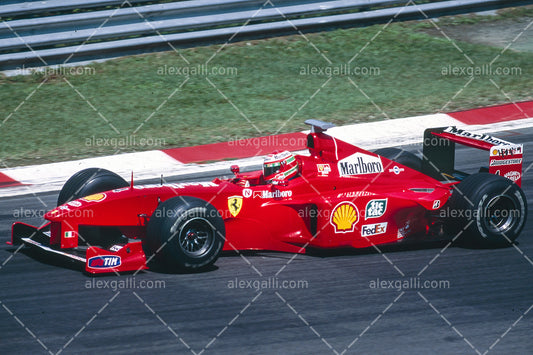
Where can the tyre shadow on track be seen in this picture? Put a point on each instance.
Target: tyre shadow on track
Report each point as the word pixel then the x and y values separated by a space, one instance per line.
pixel 161 269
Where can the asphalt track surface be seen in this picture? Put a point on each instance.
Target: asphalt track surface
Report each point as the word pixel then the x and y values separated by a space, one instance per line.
pixel 48 306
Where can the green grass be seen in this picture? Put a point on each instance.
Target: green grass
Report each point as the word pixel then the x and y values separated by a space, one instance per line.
pixel 267 96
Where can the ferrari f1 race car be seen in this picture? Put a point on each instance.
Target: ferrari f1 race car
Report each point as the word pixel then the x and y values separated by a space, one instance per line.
pixel 337 196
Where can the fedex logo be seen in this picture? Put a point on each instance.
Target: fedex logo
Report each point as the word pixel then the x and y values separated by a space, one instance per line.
pixel 369 230
pixel 104 261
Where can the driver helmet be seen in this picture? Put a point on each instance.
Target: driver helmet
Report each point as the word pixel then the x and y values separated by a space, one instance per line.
pixel 279 166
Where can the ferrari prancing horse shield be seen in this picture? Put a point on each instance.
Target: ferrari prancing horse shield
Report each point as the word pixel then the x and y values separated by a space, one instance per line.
pixel 234 205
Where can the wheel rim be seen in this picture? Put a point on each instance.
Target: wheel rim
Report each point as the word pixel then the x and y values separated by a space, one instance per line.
pixel 196 237
pixel 498 214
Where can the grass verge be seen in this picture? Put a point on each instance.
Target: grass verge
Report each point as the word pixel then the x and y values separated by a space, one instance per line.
pixel 253 88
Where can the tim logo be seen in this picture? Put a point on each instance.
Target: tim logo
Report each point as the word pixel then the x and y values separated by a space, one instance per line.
pixel 104 261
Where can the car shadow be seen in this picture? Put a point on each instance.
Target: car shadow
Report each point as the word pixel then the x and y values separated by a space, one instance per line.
pixel 407 245
pixel 326 253
pixel 66 263
pixel 51 259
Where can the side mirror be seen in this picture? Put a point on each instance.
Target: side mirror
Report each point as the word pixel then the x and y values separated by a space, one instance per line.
pixel 235 169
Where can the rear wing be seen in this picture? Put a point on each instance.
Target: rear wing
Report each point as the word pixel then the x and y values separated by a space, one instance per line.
pixel 505 158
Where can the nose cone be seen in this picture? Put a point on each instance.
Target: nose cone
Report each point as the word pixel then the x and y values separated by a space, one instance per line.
pixel 57 213
pixel 74 209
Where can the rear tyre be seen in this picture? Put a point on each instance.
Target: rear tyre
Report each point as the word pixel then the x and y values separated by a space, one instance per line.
pixel 185 233
pixel 486 210
pixel 401 156
pixel 89 181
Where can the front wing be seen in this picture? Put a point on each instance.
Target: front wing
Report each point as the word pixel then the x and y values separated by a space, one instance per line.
pixel 117 258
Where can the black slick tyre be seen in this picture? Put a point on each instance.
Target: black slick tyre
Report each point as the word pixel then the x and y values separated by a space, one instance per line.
pixel 486 210
pixel 185 234
pixel 89 181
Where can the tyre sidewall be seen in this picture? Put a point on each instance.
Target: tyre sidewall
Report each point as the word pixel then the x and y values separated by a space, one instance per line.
pixel 472 198
pixel 167 223
pixel 481 225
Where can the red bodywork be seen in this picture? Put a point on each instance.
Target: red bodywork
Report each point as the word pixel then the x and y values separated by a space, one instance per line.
pixel 344 196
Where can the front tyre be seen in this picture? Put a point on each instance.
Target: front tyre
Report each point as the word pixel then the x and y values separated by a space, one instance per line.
pixel 89 181
pixel 185 233
pixel 487 210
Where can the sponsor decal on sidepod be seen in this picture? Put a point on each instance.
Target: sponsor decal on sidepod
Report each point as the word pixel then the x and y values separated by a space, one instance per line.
pixel 369 230
pixel 375 208
pixel 344 217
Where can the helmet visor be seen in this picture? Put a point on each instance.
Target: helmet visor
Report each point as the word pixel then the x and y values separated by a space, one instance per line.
pixel 271 169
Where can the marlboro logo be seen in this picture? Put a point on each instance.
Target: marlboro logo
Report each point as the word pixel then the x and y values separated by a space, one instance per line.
pixel 360 164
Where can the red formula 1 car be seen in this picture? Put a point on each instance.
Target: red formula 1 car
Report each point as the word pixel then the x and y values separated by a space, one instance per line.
pixel 337 196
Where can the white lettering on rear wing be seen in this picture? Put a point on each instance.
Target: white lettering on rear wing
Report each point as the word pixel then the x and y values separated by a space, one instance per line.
pixel 505 158
pixel 477 136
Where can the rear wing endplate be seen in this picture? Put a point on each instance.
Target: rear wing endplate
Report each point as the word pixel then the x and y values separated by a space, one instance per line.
pixel 505 158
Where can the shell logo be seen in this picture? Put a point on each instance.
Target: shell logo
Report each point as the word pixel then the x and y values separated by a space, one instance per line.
pixel 344 217
pixel 94 197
